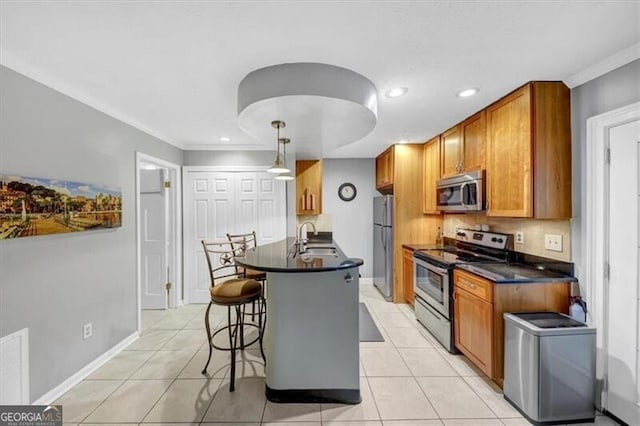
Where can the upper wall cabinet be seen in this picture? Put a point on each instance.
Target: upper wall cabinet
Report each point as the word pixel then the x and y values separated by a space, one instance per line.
pixel 309 187
pixel 451 152
pixel 473 130
pixel 529 153
pixel 463 146
pixel 431 158
pixel 384 171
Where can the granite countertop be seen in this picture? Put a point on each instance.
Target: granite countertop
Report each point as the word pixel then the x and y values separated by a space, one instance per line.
pixel 515 273
pixel 274 257
pixel 447 243
pixel 415 246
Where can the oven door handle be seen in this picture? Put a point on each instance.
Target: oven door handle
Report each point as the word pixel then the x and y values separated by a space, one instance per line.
pixel 433 268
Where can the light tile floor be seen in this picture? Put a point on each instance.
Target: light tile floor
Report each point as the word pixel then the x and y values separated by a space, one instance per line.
pixel 407 380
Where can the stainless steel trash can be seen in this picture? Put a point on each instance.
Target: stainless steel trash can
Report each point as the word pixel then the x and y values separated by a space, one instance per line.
pixel 549 367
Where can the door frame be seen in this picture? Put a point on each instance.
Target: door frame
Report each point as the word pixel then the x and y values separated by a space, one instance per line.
pixel 595 228
pixel 176 299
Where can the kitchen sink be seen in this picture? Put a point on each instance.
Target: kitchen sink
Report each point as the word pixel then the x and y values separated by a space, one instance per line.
pixel 321 251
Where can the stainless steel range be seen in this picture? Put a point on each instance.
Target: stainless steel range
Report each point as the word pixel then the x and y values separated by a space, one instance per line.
pixel 433 277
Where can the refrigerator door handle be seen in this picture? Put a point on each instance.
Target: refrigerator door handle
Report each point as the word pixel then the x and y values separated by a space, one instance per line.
pixel 383 239
pixel 384 219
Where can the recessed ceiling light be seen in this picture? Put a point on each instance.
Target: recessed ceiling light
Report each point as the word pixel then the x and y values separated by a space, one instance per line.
pixel 225 139
pixel 467 92
pixel 398 91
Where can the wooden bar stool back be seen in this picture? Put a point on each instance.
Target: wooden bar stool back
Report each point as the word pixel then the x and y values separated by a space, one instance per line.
pixel 243 242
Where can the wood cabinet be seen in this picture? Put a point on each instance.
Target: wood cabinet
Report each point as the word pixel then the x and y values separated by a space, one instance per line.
pixel 407 275
pixel 403 166
pixel 529 153
pixel 463 146
pixel 474 329
pixel 385 167
pixel 474 131
pixel 431 158
pixel 479 306
pixel 451 152
pixel 309 187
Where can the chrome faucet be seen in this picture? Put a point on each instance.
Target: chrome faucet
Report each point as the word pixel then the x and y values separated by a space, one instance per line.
pixel 300 242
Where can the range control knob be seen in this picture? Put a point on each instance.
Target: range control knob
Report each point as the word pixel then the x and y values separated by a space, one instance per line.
pixel 500 240
pixel 494 240
pixel 461 234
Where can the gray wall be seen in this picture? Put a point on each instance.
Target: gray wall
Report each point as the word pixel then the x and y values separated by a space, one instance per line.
pixel 613 90
pixel 229 158
pixel 352 221
pixel 55 284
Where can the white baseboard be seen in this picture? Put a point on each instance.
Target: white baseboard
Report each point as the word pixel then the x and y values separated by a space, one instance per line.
pixel 85 371
pixel 366 281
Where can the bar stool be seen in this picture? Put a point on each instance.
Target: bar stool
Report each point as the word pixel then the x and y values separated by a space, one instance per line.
pixel 242 242
pixel 234 292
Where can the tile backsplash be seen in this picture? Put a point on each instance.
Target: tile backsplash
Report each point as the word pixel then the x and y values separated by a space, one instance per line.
pixel 532 229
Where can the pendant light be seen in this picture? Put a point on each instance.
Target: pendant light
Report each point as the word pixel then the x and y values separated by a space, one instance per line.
pixel 286 175
pixel 278 165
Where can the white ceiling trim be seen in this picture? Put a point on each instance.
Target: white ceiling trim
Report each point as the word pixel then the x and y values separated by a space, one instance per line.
pixel 10 61
pixel 611 63
pixel 230 147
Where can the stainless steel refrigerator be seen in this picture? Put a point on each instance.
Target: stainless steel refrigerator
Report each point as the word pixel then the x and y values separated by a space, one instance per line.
pixel 383 245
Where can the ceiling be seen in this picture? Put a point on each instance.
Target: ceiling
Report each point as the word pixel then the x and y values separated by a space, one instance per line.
pixel 172 68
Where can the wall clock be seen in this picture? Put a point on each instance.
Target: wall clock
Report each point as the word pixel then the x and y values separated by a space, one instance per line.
pixel 347 191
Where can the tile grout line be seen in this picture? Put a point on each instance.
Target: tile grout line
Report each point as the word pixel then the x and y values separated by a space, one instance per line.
pixel 102 402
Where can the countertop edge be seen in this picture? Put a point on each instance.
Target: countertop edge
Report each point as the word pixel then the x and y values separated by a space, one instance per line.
pixel 346 263
pixel 477 271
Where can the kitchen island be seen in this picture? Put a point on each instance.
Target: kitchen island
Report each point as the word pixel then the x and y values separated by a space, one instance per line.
pixel 311 338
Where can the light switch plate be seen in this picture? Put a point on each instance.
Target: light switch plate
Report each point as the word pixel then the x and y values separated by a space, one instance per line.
pixel 553 242
pixel 519 237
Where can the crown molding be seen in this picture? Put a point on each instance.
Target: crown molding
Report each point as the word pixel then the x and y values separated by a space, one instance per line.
pixel 614 61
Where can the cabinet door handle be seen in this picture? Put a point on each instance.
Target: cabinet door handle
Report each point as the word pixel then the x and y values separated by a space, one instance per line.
pixel 469 284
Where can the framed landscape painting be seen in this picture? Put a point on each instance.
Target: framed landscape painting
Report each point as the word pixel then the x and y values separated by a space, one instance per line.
pixel 31 206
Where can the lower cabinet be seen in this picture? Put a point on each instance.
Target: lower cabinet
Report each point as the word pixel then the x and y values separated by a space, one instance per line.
pixel 474 329
pixel 407 276
pixel 479 305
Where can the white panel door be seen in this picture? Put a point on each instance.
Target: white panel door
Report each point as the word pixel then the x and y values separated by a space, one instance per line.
pixel 272 212
pixel 198 214
pixel 224 205
pixel 623 396
pixel 246 203
pixel 153 212
pixel 217 203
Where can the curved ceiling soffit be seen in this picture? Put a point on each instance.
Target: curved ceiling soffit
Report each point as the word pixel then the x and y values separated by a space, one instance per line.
pixel 324 106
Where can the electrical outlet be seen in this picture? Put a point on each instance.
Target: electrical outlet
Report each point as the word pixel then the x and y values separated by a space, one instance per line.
pixel 87 330
pixel 553 242
pixel 519 237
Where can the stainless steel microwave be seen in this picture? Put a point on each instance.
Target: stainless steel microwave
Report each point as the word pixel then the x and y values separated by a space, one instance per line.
pixel 462 193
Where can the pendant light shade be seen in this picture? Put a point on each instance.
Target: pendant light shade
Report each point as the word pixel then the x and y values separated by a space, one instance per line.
pixel 287 174
pixel 278 165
